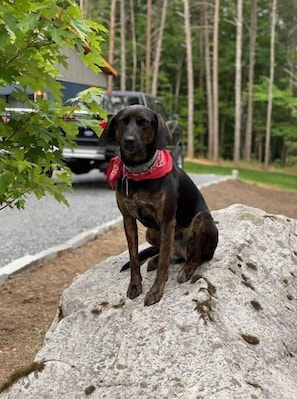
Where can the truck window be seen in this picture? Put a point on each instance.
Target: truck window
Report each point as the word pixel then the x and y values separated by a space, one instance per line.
pixel 159 108
pixel 150 102
pixel 115 103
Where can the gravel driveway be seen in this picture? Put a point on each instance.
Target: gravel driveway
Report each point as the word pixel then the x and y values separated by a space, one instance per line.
pixel 45 223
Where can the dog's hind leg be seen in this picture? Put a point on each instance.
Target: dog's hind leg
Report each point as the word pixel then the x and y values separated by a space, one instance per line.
pixel 153 237
pixel 153 263
pixel 201 244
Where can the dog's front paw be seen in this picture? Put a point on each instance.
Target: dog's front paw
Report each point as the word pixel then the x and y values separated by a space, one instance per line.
pixel 152 297
pixel 134 290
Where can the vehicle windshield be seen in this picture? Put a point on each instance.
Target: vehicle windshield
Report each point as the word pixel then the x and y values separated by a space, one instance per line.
pixel 115 103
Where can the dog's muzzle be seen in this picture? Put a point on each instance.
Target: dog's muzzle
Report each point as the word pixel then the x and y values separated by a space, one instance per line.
pixel 130 144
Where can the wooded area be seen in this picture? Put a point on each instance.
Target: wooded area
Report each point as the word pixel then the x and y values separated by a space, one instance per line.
pixel 227 68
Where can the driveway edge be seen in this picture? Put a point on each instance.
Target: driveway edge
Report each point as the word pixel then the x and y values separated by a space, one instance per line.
pixel 26 261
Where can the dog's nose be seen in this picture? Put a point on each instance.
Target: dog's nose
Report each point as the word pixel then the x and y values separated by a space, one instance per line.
pixel 129 140
pixel 130 143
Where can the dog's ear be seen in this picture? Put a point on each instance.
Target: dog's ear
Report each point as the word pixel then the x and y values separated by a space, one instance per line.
pixel 163 136
pixel 108 134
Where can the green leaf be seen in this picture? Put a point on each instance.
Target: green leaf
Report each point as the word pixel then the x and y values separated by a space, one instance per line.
pixel 31 35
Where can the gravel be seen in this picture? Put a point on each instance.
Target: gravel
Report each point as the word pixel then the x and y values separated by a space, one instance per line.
pixel 45 223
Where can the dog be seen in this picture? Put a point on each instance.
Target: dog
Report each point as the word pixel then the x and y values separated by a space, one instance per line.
pixel 150 188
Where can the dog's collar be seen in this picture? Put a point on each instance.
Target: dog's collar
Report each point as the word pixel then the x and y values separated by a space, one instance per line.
pixel 159 166
pixel 143 167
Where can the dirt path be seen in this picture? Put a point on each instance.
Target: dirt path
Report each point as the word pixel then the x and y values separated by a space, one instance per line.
pixel 29 300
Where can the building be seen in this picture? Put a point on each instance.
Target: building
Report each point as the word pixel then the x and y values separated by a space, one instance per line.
pixel 75 78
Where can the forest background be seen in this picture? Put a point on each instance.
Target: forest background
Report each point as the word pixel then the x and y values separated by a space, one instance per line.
pixel 228 68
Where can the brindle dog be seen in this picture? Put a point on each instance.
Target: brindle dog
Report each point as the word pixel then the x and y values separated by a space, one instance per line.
pixel 179 223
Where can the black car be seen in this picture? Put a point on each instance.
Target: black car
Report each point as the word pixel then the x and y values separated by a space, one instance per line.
pixel 89 155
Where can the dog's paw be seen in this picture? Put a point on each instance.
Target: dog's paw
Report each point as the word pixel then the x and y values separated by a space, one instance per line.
pixel 134 290
pixel 186 273
pixel 152 297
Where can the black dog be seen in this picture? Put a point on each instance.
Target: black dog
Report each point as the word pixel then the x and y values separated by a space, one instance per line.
pixel 152 189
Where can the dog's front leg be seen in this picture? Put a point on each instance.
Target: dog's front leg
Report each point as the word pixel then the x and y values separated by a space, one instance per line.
pixel 135 286
pixel 166 242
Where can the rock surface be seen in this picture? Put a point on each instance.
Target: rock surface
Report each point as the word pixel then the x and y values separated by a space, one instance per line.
pixel 231 333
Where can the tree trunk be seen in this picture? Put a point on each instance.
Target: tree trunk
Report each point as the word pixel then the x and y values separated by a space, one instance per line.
pixel 159 50
pixel 249 122
pixel 237 130
pixel 190 79
pixel 293 59
pixel 215 151
pixel 178 80
pixel 148 46
pixel 111 42
pixel 208 77
pixel 123 45
pixel 85 5
pixel 142 76
pixel 202 136
pixel 134 47
pixel 271 82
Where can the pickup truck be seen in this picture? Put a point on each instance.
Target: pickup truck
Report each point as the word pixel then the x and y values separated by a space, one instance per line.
pixel 88 155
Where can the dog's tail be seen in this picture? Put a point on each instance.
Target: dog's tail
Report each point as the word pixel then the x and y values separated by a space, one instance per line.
pixel 143 256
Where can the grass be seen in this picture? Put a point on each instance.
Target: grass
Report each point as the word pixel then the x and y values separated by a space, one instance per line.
pixel 250 173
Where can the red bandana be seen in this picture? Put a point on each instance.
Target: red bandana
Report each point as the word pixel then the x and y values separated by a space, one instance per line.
pixel 161 167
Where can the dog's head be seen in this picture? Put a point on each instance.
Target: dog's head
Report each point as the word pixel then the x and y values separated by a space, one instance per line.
pixel 139 131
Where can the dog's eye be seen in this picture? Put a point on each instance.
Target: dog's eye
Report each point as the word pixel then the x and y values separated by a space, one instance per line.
pixel 123 122
pixel 143 122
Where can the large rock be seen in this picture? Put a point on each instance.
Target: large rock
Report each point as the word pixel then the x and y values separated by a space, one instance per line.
pixel 229 334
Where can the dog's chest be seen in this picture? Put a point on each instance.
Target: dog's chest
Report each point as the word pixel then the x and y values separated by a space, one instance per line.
pixel 144 206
